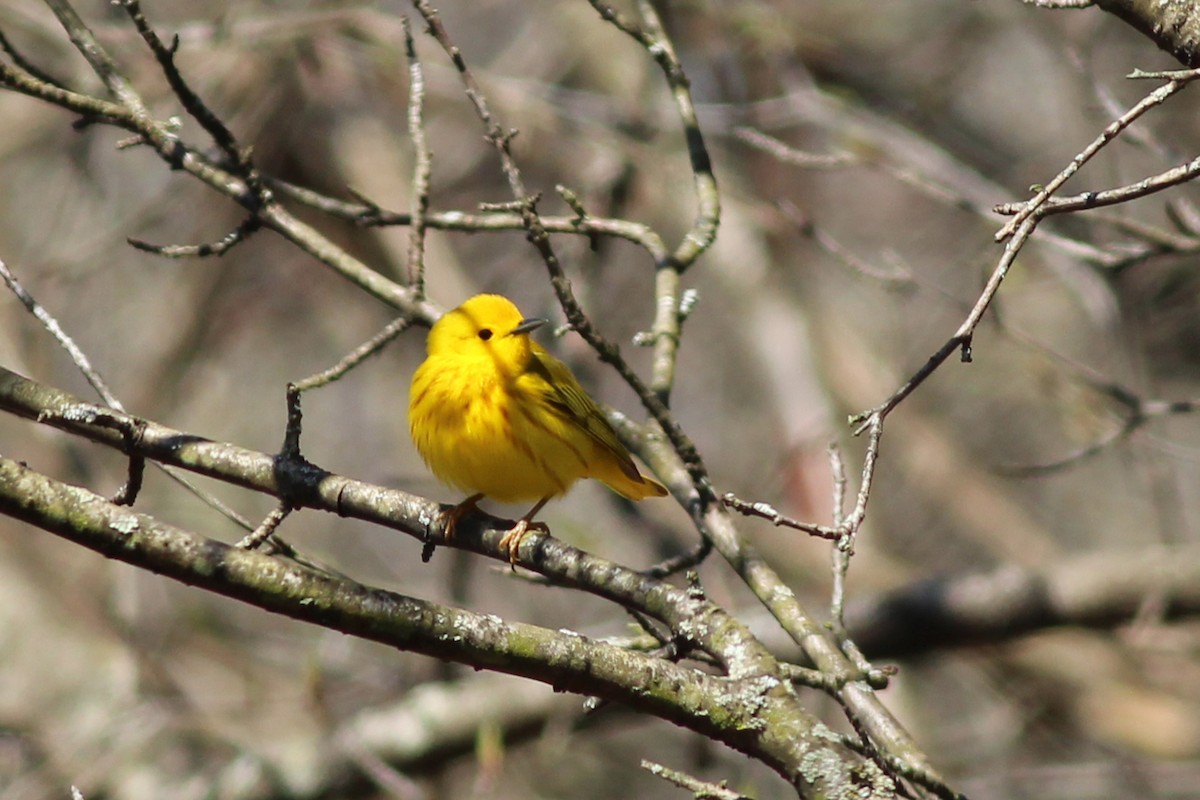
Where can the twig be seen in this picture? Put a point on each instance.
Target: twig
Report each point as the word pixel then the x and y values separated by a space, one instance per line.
pixel 195 107
pixel 812 678
pixel 701 790
pixel 1182 75
pixel 837 467
pixel 422 166
pixel 127 494
pixel 390 780
pixel 790 155
pixel 291 438
pixel 1030 207
pixel 1138 413
pixel 99 60
pixel 240 181
pixel 369 214
pixel 265 528
pixel 1105 197
pixel 681 562
pixel 78 357
pixel 961 340
pixel 840 553
pixel 357 355
pixel 1060 3
pixel 669 313
pixel 899 278
pixel 771 514
pixel 26 64
pixel 218 248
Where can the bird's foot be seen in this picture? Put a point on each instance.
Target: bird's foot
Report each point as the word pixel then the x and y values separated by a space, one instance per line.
pixel 511 541
pixel 451 517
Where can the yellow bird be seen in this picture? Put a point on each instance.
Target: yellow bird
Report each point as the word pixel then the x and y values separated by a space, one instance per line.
pixel 495 415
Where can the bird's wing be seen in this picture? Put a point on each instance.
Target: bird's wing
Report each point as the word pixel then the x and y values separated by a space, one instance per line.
pixel 564 397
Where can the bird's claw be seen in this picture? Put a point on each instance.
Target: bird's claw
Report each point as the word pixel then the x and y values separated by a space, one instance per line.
pixel 450 518
pixel 511 541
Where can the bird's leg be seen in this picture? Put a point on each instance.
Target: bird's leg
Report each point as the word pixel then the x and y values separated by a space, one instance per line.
pixel 511 541
pixel 458 512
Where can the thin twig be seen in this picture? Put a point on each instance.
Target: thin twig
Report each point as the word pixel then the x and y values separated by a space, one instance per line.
pixel 357 355
pixel 391 781
pixel 1182 75
pixel 422 166
pixel 1105 197
pixel 19 59
pixel 701 790
pixel 1060 3
pixel 78 357
pixel 669 313
pixel 291 439
pixel 837 467
pixel 128 491
pixel 961 340
pixel 1138 413
pixel 1030 207
pixel 192 103
pixel 237 180
pixel 686 560
pixel 771 514
pixel 840 553
pixel 218 248
pixel 369 214
pixel 899 278
pixel 790 155
pixel 266 528
pixel 99 60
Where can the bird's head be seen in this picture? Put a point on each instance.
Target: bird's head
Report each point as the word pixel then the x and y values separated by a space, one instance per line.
pixel 486 326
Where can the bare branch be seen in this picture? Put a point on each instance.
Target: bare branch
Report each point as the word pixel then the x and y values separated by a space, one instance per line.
pixel 422 166
pixel 1105 197
pixel 77 355
pixel 1172 25
pixel 239 180
pixel 961 340
pixel 218 248
pixel 771 514
pixel 266 528
pixel 1111 132
pixel 669 312
pixel 701 790
pixel 1060 3
pixel 722 708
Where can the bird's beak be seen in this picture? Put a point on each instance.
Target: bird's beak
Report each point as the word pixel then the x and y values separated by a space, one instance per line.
pixel 527 325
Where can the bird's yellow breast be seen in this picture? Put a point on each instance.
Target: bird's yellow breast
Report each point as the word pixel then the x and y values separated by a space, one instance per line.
pixel 478 430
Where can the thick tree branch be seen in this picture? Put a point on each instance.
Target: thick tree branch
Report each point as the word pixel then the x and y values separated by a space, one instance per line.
pixel 1098 590
pixel 771 724
pixel 756 714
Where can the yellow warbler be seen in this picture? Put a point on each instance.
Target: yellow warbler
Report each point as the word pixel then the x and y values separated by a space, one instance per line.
pixel 495 415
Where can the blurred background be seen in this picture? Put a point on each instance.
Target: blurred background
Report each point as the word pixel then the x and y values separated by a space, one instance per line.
pixel 833 278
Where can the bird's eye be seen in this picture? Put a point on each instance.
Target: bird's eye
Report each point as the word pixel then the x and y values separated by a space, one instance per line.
pixel 485 334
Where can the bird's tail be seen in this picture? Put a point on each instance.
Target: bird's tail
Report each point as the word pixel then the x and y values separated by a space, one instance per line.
pixel 628 482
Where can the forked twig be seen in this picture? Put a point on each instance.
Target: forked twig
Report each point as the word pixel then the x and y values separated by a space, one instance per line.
pixel 1111 132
